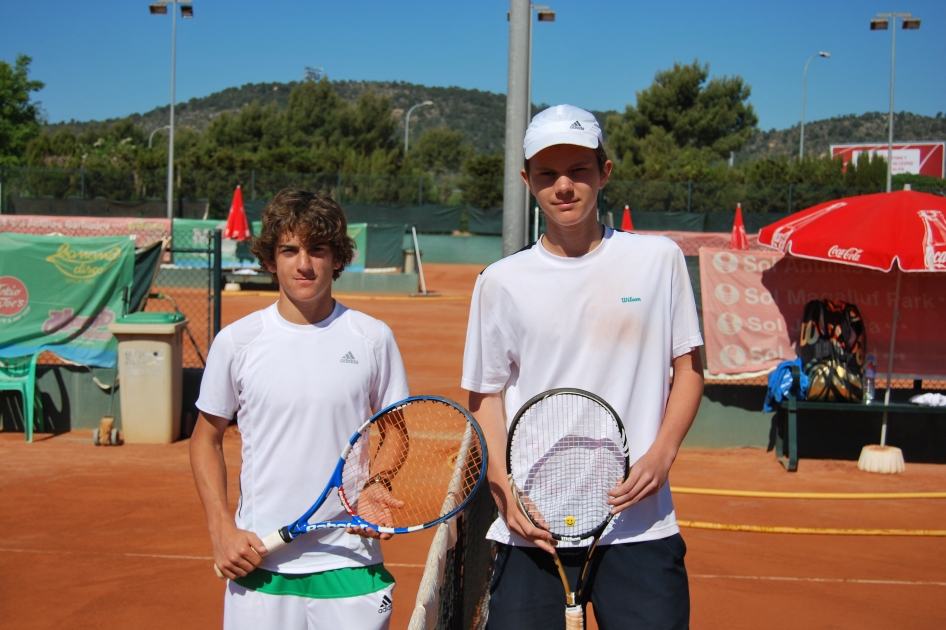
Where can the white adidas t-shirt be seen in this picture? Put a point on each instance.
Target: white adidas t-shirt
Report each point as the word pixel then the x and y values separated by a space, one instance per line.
pixel 301 392
pixel 609 322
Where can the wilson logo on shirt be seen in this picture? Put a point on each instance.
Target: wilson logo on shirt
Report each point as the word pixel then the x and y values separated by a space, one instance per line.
pixel 630 299
pixel 348 358
pixel 385 605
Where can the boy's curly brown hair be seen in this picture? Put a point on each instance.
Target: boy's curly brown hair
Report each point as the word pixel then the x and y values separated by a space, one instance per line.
pixel 311 217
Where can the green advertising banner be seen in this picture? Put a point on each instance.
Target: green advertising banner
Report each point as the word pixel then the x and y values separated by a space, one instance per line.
pixel 197 234
pixel 359 233
pixel 60 294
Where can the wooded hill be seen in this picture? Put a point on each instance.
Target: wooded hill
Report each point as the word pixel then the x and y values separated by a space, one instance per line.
pixel 481 116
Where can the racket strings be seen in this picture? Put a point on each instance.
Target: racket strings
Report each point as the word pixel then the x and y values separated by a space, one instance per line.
pixel 413 465
pixel 566 454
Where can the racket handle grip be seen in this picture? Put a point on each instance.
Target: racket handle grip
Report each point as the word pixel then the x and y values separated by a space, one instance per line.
pixel 574 618
pixel 272 542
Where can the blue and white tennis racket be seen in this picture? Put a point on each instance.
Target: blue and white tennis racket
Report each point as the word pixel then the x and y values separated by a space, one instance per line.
pixel 410 467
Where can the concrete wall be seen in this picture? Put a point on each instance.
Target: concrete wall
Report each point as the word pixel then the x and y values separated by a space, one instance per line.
pixel 71 399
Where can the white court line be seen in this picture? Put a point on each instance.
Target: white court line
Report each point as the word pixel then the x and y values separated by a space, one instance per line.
pixel 775 578
pixel 107 553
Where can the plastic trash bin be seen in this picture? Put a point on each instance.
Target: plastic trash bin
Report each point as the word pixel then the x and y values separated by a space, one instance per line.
pixel 150 372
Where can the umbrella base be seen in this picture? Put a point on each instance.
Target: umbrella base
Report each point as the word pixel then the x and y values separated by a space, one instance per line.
pixel 881 459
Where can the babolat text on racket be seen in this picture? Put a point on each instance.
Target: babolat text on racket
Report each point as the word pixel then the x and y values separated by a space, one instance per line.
pixel 567 448
pixel 411 466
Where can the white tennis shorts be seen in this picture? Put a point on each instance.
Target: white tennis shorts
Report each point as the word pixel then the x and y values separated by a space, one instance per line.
pixel 244 609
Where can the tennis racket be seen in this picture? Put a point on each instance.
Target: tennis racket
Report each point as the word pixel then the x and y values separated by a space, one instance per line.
pixel 411 466
pixel 567 448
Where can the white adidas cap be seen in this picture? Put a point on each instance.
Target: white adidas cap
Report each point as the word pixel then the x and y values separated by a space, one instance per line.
pixel 562 124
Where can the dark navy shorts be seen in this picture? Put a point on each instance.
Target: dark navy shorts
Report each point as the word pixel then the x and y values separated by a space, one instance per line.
pixel 634 585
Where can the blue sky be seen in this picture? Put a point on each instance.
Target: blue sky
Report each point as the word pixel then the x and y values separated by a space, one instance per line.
pixel 102 59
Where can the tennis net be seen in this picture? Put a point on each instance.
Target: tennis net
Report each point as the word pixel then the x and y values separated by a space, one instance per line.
pixel 454 590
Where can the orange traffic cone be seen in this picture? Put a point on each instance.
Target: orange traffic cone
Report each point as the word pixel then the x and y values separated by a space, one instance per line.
pixel 626 225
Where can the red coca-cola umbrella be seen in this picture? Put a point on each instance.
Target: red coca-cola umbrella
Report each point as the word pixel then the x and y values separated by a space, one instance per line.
pixel 871 231
pixel 738 240
pixel 238 228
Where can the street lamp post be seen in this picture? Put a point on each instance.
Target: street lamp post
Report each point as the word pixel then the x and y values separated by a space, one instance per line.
pixel 804 83
pixel 880 23
pixel 187 11
pixel 407 122
pixel 151 137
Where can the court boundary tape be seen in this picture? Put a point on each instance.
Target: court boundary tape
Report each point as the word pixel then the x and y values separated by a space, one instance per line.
pixel 777 578
pixel 761 494
pixel 822 531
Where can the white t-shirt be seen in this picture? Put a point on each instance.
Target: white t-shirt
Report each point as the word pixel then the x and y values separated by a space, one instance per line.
pixel 609 322
pixel 301 392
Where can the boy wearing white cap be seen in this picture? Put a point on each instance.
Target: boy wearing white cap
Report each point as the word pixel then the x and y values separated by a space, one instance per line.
pixel 605 311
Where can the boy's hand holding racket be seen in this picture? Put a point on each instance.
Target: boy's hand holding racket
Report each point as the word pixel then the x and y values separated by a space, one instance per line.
pixel 237 552
pixel 647 476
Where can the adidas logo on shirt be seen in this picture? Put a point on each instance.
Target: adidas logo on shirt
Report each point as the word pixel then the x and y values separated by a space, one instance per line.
pixel 348 358
pixel 385 605
pixel 577 125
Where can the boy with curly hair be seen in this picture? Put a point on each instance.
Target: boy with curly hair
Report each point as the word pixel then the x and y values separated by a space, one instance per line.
pixel 303 374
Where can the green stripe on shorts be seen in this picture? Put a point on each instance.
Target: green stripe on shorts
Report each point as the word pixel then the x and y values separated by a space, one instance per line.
pixel 347 582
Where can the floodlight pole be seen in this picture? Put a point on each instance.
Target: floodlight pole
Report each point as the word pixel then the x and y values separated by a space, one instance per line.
pixel 914 24
pixel 804 84
pixel 407 122
pixel 171 126
pixel 517 95
pixel 541 8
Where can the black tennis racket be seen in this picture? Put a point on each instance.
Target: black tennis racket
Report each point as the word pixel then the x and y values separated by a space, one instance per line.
pixel 410 467
pixel 567 448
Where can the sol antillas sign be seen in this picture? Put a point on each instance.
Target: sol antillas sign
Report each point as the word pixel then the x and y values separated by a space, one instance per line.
pixel 83 264
pixel 851 253
pixel 13 296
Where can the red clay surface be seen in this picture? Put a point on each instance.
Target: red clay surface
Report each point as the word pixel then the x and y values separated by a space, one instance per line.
pixel 115 537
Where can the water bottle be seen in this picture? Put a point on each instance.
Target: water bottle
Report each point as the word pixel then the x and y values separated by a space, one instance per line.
pixel 870 374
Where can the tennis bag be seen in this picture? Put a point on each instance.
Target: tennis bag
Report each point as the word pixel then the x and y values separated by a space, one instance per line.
pixel 832 347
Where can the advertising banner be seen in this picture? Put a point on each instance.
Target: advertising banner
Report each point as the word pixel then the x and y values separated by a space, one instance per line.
pixel 918 158
pixel 61 293
pixel 359 233
pixel 753 303
pixel 145 231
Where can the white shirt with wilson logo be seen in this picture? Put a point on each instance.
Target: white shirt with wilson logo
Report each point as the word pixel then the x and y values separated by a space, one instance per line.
pixel 301 393
pixel 609 322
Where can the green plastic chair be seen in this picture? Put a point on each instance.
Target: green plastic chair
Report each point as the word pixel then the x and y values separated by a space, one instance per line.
pixel 19 374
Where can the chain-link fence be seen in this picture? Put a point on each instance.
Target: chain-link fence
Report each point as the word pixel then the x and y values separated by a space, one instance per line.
pixel 190 283
pixel 215 188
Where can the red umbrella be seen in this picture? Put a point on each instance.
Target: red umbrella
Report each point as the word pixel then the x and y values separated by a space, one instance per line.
pixel 870 231
pixel 238 228
pixel 626 224
pixel 738 240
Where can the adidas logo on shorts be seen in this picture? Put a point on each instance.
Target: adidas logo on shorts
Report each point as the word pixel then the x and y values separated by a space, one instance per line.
pixel 348 358
pixel 385 605
pixel 577 125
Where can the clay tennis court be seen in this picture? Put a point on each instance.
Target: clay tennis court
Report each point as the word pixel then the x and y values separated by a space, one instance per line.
pixel 115 537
